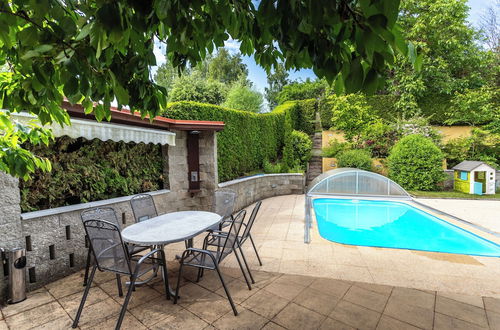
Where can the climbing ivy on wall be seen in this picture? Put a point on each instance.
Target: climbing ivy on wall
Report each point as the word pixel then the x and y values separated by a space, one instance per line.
pixel 85 171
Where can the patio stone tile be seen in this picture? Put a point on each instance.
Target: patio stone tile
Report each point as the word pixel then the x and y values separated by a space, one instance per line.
pixel 265 304
pixel 467 299
pixel 66 286
pixel 103 277
pixel 182 319
pixel 129 322
pixel 263 278
pixel 36 317
pixel 71 302
pixel 366 298
pixel 3 325
pixel 154 311
pixel 414 315
pixel 332 287
pixel 272 326
pixel 493 319
pixel 286 290
pixel 297 267
pixel 465 312
pixel 35 299
pixel 141 295
pixel 238 291
pixel 352 273
pixel 445 322
pixel 329 324
pixel 492 304
pixel 63 322
pixel 97 313
pixel 414 297
pixel 191 293
pixel 379 288
pixel 211 280
pixel 210 307
pixel 316 301
pixel 246 319
pixel 354 315
pixel 294 316
pixel 297 279
pixel 389 323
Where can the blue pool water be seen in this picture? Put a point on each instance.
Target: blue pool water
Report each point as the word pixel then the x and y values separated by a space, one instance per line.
pixel 394 225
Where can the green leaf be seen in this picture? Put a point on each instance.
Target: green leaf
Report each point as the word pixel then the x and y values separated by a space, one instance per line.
pixel 44 48
pixel 84 32
pixel 71 87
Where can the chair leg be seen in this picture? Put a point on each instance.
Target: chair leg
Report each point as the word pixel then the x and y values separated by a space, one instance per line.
pixel 84 298
pixel 255 249
pixel 199 275
pixel 119 283
pixel 242 270
pixel 125 302
pixel 178 281
pixel 246 264
pixel 165 274
pixel 87 266
pixel 226 290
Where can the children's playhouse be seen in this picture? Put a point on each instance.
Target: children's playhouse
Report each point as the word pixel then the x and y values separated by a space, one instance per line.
pixel 474 177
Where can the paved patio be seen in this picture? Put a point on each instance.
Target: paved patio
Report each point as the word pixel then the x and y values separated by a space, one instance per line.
pixel 344 287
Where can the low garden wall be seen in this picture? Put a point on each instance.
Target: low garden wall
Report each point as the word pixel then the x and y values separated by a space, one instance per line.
pixel 261 186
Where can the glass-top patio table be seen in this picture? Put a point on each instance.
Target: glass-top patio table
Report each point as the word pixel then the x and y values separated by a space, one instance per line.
pixel 170 228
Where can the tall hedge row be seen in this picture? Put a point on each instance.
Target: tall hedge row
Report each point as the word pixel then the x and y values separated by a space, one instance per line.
pixel 248 139
pixel 436 108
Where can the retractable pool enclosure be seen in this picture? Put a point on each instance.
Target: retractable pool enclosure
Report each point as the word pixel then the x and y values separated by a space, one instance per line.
pixel 350 183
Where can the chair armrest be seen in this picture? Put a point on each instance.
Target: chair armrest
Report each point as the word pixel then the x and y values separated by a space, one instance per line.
pixel 147 255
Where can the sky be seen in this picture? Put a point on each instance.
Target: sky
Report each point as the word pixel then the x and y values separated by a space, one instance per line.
pixel 259 78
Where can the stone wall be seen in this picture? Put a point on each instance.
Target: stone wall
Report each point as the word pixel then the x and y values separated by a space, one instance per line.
pixel 10 226
pixel 258 187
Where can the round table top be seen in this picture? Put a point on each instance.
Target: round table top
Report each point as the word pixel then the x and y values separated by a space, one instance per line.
pixel 170 228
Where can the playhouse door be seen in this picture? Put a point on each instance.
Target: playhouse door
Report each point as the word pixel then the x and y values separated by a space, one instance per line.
pixel 478 188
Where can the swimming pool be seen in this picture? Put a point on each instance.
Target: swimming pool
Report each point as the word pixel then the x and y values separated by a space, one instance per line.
pixel 394 225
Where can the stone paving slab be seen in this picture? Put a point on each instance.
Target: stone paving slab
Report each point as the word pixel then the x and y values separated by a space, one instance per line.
pixel 276 301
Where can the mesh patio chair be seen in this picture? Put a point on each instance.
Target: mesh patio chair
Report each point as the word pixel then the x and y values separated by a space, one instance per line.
pixel 224 205
pixel 143 207
pixel 215 241
pixel 112 255
pixel 106 214
pixel 210 259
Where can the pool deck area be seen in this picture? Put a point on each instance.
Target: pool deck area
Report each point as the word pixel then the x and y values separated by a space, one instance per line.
pixel 321 285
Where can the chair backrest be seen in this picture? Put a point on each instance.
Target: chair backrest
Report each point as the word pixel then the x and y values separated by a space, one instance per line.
pixel 143 207
pixel 106 244
pixel 101 213
pixel 251 220
pixel 232 234
pixel 224 203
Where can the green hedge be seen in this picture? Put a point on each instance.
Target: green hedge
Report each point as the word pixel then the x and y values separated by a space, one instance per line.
pixel 85 171
pixel 248 139
pixel 434 107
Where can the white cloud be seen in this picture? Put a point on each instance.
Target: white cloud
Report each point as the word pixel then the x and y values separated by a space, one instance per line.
pixel 232 45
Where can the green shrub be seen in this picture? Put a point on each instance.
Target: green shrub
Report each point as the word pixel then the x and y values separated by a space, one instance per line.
pixel 356 158
pixel 85 171
pixel 193 88
pixel 241 97
pixel 334 148
pixel 415 162
pixel 247 138
pixel 272 168
pixel 303 114
pixel 297 150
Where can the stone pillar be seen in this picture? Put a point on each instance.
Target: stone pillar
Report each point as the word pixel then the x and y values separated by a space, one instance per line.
pixel 10 222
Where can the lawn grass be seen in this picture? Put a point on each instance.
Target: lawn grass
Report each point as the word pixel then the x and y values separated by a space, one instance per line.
pixel 451 194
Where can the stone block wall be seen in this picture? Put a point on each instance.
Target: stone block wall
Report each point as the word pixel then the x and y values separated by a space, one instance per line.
pixel 10 226
pixel 258 187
